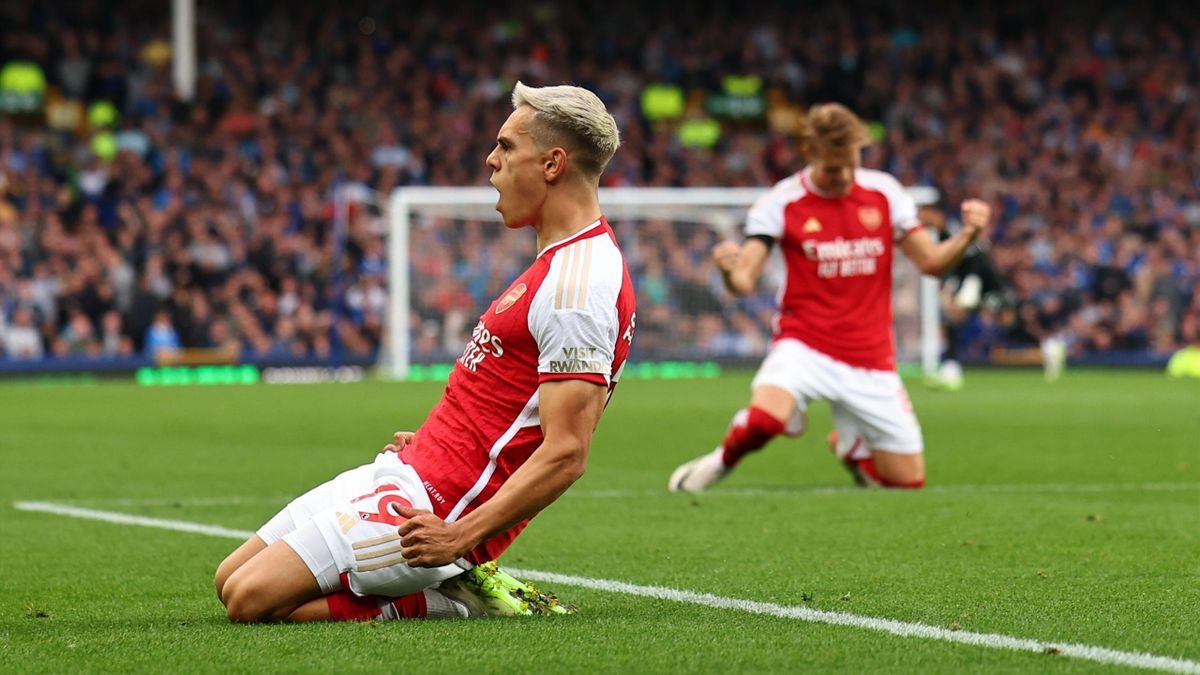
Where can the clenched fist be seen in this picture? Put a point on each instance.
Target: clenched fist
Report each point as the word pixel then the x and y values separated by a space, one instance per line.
pixel 725 254
pixel 975 216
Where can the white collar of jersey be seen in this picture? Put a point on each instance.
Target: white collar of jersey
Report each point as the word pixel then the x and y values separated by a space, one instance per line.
pixel 807 181
pixel 566 239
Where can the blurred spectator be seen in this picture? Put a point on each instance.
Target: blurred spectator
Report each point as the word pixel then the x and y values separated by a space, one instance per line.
pixel 21 339
pixel 161 339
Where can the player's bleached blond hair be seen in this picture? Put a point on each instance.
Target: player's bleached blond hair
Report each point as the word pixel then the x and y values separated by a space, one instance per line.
pixel 832 127
pixel 574 119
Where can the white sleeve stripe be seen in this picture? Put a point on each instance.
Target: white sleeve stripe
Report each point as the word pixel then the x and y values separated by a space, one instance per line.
pixel 568 258
pixel 583 275
pixel 568 254
pixel 571 292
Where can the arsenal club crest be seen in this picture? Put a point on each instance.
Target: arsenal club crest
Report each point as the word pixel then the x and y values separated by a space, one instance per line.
pixel 870 217
pixel 510 298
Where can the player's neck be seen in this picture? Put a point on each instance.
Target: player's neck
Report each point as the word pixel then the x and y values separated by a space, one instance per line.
pixel 564 214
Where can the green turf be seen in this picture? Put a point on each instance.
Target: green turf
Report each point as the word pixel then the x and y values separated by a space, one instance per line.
pixel 1038 523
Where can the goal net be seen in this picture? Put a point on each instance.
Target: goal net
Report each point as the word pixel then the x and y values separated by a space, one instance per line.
pixel 450 256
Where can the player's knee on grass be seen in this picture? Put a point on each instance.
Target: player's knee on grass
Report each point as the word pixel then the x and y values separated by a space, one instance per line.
pixel 900 470
pixel 221 576
pixel 268 587
pixel 234 560
pixel 249 602
pixel 225 570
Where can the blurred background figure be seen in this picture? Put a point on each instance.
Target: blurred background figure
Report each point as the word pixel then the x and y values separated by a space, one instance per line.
pixel 162 341
pixel 1186 361
pixel 973 283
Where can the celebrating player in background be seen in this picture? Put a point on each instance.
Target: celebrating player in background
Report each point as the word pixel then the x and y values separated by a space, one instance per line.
pixel 974 282
pixel 836 224
pixel 412 534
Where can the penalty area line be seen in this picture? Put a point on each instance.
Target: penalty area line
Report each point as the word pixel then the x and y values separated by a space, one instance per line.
pixel 1084 652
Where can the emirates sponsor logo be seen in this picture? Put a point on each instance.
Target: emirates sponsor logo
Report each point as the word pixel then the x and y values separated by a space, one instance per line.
pixel 842 249
pixel 482 345
pixel 870 217
pixel 510 298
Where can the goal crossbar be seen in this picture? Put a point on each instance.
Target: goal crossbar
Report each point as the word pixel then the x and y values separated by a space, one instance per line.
pixel 479 202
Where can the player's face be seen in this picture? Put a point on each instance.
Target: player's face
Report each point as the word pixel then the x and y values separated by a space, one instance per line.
pixel 833 171
pixel 516 165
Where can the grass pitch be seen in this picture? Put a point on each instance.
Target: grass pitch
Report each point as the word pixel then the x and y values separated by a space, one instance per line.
pixel 1066 512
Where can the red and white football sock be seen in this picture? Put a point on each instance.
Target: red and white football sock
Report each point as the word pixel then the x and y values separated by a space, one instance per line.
pixel 431 604
pixel 345 605
pixel 750 430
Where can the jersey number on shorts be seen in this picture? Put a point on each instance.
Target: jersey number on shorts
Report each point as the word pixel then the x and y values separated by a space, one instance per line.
pixel 384 515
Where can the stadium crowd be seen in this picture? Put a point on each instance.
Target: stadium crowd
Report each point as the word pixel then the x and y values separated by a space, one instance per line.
pixel 134 223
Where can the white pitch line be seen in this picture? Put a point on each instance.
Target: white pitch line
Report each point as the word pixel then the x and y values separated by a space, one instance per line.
pixel 901 628
pixel 784 491
pixel 181 501
pixel 128 519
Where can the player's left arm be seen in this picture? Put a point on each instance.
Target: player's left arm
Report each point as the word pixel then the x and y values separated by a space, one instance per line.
pixel 936 258
pixel 570 411
pixel 399 440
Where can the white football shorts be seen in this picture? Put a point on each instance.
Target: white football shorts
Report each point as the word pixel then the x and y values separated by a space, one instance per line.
pixel 347 526
pixel 868 404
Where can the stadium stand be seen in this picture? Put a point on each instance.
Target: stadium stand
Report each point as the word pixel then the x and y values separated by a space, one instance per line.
pixel 133 224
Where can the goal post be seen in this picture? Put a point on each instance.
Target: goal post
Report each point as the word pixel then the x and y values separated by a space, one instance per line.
pixel 449 255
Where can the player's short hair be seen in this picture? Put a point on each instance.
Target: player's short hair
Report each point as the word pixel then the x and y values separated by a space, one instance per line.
pixel 574 119
pixel 832 127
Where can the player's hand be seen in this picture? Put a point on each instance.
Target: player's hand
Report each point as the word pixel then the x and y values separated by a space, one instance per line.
pixel 429 541
pixel 399 440
pixel 975 216
pixel 725 255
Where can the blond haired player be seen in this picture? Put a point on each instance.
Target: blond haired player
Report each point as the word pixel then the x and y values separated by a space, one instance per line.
pixel 837 225
pixel 413 534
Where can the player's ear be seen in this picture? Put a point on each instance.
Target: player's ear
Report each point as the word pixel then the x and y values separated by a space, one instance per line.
pixel 554 164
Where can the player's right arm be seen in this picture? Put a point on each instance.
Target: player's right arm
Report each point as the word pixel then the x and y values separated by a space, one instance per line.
pixel 741 266
pixel 569 411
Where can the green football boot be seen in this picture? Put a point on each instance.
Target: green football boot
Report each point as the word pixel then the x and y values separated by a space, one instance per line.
pixel 489 591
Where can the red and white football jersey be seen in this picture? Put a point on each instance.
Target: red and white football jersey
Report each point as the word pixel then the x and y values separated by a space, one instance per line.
pixel 837 295
pixel 569 316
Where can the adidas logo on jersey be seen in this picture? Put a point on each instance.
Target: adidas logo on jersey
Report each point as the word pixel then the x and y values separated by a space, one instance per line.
pixel 812 225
